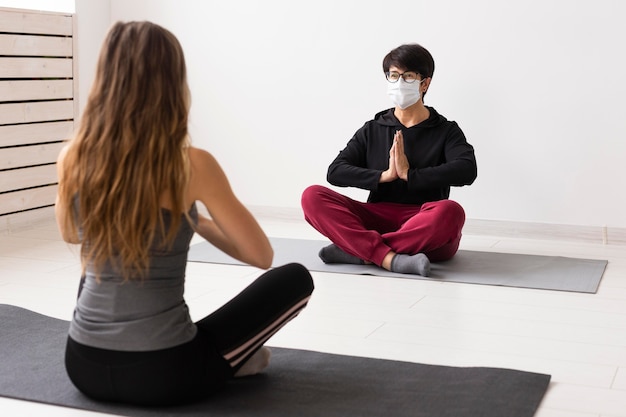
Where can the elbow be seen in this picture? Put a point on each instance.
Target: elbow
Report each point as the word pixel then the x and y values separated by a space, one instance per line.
pixel 470 174
pixel 473 175
pixel 262 256
pixel 265 265
pixel 265 261
pixel 68 233
pixel 70 237
pixel 329 177
pixel 334 180
pixel 72 240
pixel 467 178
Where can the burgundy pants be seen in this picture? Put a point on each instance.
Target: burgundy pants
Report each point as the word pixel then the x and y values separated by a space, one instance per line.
pixel 370 230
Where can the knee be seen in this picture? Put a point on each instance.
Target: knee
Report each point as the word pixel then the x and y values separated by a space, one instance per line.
pixel 311 196
pixel 297 276
pixel 449 212
pixel 303 275
pixel 453 209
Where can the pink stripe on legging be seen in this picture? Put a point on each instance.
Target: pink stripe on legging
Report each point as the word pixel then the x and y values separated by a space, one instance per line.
pixel 238 354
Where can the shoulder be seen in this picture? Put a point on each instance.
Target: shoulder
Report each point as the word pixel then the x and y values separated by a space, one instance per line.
pixel 385 118
pixel 382 122
pixel 203 167
pixel 439 119
pixel 198 154
pixel 200 159
pixel 61 160
pixel 63 153
pixel 439 122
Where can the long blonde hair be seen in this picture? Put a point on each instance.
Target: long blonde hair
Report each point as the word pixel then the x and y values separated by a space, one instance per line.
pixel 129 150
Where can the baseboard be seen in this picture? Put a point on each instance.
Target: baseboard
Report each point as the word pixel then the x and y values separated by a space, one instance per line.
pixel 288 214
pixel 546 231
pixel 524 230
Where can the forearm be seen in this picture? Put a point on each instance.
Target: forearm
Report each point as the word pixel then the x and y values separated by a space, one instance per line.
pixel 211 233
pixel 247 244
pixel 353 176
pixel 457 173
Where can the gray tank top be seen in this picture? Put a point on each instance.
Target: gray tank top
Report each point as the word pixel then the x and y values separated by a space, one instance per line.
pixel 138 315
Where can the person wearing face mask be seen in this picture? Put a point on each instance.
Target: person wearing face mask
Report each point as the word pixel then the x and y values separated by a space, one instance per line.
pixel 407 157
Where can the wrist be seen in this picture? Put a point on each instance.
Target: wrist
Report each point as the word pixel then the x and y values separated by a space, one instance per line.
pixel 386 176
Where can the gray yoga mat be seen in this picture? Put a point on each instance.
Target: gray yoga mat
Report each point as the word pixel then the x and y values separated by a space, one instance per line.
pixel 297 383
pixel 472 267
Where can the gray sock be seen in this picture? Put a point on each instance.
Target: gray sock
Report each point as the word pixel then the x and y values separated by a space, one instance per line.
pixel 331 254
pixel 411 264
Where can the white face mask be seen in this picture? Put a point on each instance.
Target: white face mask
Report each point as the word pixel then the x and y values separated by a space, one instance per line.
pixel 404 94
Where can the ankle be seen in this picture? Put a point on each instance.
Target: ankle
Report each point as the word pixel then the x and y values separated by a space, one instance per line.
pixel 387 260
pixel 257 362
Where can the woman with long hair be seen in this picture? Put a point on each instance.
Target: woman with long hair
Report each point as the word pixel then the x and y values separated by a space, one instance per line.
pixel 129 182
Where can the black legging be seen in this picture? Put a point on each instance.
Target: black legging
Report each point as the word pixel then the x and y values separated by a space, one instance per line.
pixel 225 340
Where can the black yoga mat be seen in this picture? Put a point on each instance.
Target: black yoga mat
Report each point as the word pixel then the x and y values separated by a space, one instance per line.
pixel 297 383
pixel 472 267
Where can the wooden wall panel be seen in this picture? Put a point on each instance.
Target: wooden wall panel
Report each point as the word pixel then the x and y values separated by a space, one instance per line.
pixel 24 156
pixel 21 21
pixel 24 45
pixel 19 179
pixel 36 111
pixel 29 90
pixel 37 106
pixel 11 67
pixel 13 135
pixel 28 199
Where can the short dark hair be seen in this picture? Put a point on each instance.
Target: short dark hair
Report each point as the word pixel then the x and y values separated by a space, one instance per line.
pixel 410 57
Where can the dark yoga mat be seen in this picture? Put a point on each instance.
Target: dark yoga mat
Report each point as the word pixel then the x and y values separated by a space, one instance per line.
pixel 472 267
pixel 297 383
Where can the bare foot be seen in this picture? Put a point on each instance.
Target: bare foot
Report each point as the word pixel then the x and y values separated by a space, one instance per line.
pixel 256 363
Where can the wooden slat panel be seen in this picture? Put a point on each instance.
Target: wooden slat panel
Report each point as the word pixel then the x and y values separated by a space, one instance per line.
pixel 35 67
pixel 17 222
pixel 23 90
pixel 16 179
pixel 32 45
pixel 24 156
pixel 36 105
pixel 27 199
pixel 35 133
pixel 76 73
pixel 36 111
pixel 35 22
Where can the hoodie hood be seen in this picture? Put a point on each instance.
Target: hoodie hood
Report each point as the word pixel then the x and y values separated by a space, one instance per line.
pixel 387 118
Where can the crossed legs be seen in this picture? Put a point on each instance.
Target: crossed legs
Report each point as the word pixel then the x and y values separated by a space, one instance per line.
pixel 229 342
pixel 240 328
pixel 385 234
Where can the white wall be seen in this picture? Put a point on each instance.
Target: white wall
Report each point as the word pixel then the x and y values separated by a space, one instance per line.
pixel 93 19
pixel 65 6
pixel 280 86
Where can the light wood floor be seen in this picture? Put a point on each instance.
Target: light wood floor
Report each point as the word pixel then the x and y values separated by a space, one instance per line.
pixel 580 339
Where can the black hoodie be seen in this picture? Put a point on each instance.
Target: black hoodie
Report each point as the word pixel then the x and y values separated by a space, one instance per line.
pixel 438 153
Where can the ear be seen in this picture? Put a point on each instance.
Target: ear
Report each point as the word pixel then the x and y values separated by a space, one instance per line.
pixel 424 85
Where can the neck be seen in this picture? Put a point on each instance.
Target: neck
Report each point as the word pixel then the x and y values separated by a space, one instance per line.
pixel 412 115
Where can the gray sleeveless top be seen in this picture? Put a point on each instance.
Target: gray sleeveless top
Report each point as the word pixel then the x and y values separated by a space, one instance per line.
pixel 138 315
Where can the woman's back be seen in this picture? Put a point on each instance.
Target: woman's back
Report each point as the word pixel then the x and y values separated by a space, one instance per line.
pixel 138 314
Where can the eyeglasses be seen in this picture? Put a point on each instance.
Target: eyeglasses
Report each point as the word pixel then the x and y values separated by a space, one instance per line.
pixel 408 76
